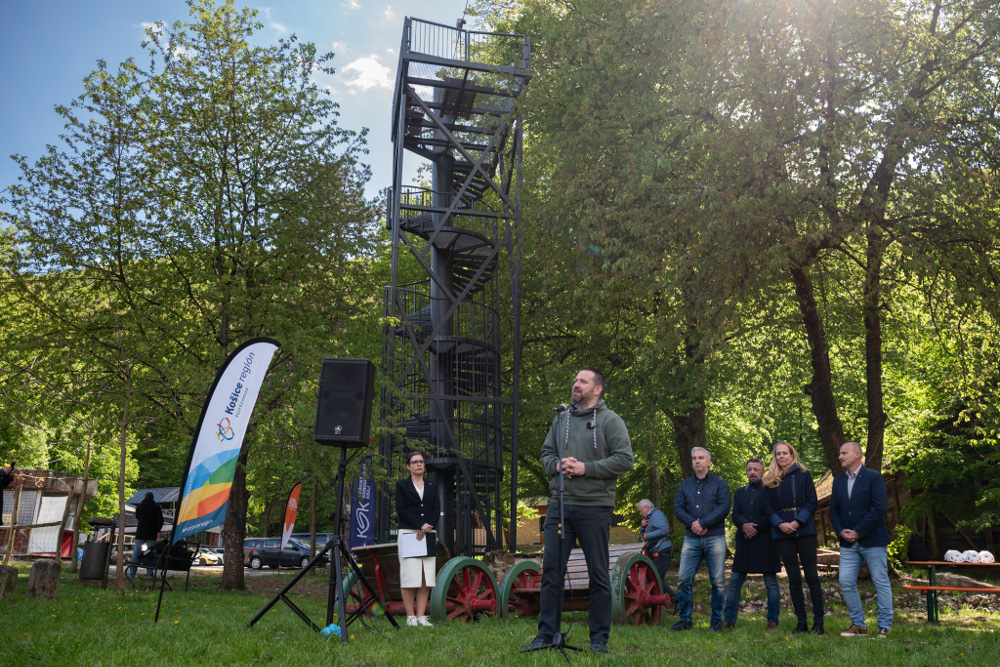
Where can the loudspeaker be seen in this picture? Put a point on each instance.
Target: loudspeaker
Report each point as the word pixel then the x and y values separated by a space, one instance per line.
pixel 344 402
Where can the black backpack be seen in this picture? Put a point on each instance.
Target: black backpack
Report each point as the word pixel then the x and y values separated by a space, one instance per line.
pixel 916 551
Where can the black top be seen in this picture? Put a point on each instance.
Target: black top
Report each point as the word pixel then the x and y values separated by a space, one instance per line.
pixel 413 512
pixel 757 554
pixel 150 519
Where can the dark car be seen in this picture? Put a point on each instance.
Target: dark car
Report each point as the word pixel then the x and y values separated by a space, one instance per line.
pixel 295 554
pixel 321 539
pixel 248 545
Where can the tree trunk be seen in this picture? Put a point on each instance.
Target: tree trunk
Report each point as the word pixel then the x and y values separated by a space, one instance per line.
pixel 43 581
pixel 689 432
pixel 654 475
pixel 820 388
pixel 873 353
pixel 122 465
pixel 8 581
pixel 82 499
pixel 312 516
pixel 235 526
pixel 267 516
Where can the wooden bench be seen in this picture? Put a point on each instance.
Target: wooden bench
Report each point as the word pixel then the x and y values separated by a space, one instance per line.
pixel 932 589
pixel 636 589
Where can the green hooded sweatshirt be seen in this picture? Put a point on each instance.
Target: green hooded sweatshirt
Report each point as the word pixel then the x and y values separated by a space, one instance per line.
pixel 605 449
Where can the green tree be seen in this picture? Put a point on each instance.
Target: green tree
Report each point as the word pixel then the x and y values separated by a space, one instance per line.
pixel 240 213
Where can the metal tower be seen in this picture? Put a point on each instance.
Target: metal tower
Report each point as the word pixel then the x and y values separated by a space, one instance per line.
pixel 455 106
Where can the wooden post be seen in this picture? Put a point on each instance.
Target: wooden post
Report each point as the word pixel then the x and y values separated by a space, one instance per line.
pixel 932 522
pixel 62 527
pixel 13 525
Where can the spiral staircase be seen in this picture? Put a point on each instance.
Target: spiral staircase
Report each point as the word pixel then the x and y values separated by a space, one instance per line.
pixel 455 107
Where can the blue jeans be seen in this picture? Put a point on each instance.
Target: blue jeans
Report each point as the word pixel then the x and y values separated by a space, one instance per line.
pixel 712 550
pixel 878 565
pixel 736 580
pixel 136 550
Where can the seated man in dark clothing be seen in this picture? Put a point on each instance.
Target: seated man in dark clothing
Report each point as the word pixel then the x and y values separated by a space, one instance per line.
pixel 655 532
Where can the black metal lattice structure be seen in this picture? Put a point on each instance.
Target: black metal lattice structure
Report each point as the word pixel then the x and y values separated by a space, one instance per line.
pixel 455 106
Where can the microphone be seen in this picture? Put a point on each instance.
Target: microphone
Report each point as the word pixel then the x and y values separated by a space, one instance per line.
pixel 562 407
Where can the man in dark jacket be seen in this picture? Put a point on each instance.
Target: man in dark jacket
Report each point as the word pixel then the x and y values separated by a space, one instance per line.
pixel 702 504
pixel 6 477
pixel 857 511
pixel 755 553
pixel 596 450
pixel 150 518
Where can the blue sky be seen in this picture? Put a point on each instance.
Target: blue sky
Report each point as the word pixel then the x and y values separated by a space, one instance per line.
pixel 48 46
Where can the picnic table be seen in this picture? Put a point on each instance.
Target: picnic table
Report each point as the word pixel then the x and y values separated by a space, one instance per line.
pixel 932 589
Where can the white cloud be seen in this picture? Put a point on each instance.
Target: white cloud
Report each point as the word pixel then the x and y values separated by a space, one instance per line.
pixel 338 47
pixel 353 4
pixel 368 73
pixel 391 52
pixel 271 23
pixel 388 16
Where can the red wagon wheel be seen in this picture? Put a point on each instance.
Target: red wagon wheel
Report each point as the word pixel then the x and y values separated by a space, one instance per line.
pixel 636 594
pixel 520 592
pixel 465 589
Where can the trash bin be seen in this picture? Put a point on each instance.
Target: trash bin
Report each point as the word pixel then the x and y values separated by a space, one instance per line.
pixel 94 565
pixel 95 560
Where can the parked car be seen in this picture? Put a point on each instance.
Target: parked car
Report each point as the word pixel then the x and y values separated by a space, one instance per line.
pixel 321 539
pixel 208 557
pixel 295 554
pixel 248 545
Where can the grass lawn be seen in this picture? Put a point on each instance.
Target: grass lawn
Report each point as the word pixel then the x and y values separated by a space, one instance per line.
pixel 207 626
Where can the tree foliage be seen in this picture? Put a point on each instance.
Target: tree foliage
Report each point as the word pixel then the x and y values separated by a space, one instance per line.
pixel 192 204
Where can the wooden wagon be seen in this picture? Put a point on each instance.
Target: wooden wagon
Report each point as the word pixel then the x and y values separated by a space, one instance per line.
pixel 637 596
pixel 465 590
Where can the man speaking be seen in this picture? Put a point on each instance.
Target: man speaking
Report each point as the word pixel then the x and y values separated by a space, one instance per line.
pixel 596 450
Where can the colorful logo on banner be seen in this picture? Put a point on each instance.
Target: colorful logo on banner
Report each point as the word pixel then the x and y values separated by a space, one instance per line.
pixel 291 509
pixel 226 431
pixel 362 524
pixel 219 439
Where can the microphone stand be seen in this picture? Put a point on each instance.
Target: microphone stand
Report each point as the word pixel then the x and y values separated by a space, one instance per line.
pixel 559 638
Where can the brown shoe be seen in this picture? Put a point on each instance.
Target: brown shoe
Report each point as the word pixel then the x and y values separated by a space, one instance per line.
pixel 727 626
pixel 771 625
pixel 855 631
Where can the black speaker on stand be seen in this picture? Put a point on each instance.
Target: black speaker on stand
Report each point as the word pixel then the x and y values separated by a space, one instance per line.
pixel 343 418
pixel 344 402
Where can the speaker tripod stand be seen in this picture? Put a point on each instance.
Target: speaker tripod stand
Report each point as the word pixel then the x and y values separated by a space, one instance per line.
pixel 337 592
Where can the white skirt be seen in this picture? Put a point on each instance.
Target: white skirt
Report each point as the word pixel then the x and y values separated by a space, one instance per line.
pixel 410 569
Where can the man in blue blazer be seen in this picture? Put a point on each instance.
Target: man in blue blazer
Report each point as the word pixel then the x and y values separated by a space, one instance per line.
pixel 857 510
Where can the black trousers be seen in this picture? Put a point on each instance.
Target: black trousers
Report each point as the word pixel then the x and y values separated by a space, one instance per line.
pixel 662 562
pixel 591 526
pixel 791 551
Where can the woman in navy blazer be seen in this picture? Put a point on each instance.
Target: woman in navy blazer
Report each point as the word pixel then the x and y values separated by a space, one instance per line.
pixel 790 501
pixel 417 510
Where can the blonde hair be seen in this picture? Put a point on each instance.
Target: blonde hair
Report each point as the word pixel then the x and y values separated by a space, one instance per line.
pixel 773 476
